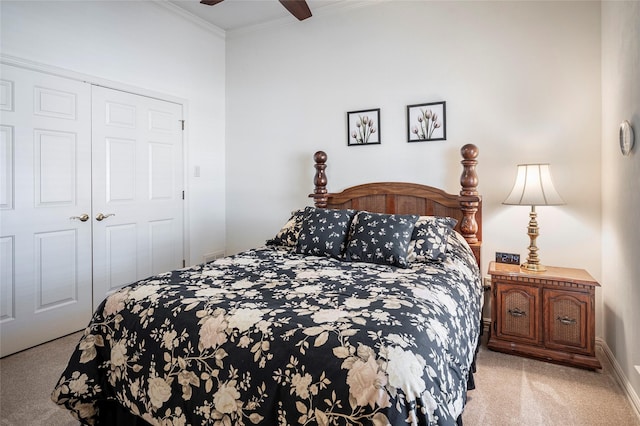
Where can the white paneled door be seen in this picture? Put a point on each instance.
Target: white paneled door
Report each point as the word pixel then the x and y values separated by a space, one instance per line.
pixel 137 188
pixel 45 203
pixel 91 199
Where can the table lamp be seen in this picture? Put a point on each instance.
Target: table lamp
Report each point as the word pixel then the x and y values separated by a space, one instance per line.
pixel 533 187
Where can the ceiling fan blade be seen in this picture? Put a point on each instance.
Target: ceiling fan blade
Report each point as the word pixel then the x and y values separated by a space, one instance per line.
pixel 210 2
pixel 297 8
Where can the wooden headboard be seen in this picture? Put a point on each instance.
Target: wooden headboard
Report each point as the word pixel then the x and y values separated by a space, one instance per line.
pixel 412 198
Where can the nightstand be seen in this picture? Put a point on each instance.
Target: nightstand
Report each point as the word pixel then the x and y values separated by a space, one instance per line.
pixel 546 315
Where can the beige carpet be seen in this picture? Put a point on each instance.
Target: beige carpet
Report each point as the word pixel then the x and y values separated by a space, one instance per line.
pixel 26 381
pixel 510 391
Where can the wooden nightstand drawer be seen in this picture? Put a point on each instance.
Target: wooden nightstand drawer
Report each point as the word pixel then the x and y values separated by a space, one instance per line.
pixel 546 315
pixel 518 307
pixel 566 321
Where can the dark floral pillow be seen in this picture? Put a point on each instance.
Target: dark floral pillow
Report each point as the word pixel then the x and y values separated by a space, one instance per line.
pixel 324 232
pixel 288 235
pixel 380 238
pixel 429 240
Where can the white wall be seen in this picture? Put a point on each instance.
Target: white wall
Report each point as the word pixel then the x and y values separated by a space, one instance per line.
pixel 621 185
pixel 521 81
pixel 150 47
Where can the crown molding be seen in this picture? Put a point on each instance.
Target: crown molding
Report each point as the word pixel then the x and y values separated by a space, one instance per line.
pixel 327 10
pixel 176 10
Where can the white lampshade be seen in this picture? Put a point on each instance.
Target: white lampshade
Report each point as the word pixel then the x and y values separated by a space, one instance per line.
pixel 533 187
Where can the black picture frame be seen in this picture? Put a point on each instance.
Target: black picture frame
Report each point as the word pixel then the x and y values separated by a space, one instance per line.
pixel 421 125
pixel 363 127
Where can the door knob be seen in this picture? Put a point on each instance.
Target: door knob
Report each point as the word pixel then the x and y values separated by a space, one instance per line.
pixel 82 218
pixel 101 216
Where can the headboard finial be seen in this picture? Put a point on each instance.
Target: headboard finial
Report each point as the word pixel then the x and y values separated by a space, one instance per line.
pixel 469 183
pixel 469 178
pixel 320 180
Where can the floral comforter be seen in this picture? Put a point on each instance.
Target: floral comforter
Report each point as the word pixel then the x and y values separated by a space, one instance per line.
pixel 273 337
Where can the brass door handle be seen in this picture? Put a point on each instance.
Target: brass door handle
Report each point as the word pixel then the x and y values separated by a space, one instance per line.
pixel 566 320
pixel 516 312
pixel 82 218
pixel 101 216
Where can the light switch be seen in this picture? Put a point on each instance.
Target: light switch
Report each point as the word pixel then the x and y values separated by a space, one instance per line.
pixel 196 171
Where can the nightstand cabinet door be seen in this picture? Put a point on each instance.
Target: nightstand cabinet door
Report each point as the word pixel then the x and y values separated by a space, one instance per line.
pixel 518 307
pixel 567 319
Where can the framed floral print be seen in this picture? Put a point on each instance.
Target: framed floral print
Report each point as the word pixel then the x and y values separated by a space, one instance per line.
pixel 363 127
pixel 426 122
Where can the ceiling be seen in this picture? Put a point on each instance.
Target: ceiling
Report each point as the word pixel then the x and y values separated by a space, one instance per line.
pixel 231 15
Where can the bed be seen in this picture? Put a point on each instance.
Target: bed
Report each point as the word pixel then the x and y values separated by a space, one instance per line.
pixel 364 309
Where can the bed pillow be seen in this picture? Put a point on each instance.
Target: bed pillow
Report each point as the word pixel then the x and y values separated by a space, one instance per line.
pixel 429 240
pixel 324 232
pixel 288 235
pixel 380 238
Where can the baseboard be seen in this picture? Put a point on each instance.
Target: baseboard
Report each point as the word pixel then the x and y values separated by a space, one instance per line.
pixel 620 377
pixel 210 257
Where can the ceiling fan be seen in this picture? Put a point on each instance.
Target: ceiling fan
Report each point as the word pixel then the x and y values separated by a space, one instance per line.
pixel 297 8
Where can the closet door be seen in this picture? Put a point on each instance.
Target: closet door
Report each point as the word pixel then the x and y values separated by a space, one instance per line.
pixel 45 202
pixel 137 188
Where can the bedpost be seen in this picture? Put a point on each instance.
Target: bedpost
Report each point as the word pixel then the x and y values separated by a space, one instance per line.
pixel 469 200
pixel 320 180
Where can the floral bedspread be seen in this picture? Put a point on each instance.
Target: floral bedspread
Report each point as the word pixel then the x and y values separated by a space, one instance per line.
pixel 273 337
